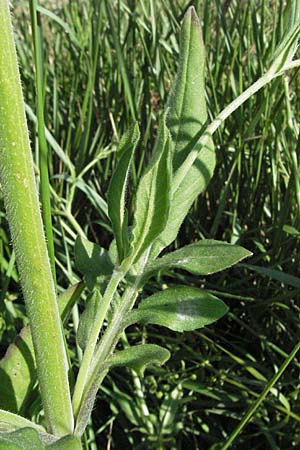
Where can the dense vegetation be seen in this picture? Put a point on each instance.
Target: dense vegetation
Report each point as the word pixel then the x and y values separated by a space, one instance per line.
pixel 104 67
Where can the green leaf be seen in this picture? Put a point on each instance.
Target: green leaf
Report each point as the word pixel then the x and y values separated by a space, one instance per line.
pixel 23 439
pixel 186 117
pixel 126 403
pixel 17 372
pixel 140 356
pixel 10 422
pixel 289 41
pixel 117 190
pixel 18 368
pixel 180 309
pixel 202 258
pixel 153 196
pixel 87 318
pixel 91 260
pixel 186 107
pixel 66 443
pixel 282 277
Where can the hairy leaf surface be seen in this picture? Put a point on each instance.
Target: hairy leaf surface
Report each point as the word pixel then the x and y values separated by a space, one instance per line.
pixel 180 309
pixel 186 117
pixel 23 439
pixel 202 258
pixel 117 189
pixel 153 196
pixel 140 356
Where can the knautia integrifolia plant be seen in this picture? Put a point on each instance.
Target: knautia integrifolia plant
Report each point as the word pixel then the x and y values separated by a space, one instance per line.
pixel 180 168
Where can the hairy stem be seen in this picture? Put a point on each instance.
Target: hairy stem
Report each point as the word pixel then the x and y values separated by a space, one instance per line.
pixel 183 170
pixel 97 370
pixel 23 214
pixel 85 366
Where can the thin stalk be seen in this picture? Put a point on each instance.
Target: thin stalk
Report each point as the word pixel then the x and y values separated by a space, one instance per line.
pixel 23 214
pixel 261 398
pixel 43 147
pixel 104 349
pixel 85 366
pixel 183 170
pixel 97 370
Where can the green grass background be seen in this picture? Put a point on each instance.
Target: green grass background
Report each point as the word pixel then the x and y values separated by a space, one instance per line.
pixel 101 73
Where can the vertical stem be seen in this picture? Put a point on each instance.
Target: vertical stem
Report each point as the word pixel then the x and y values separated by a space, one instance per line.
pixel 24 218
pixel 43 147
pixel 93 337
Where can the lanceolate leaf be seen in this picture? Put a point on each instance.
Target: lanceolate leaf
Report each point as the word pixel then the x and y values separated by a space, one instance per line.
pixel 153 196
pixel 186 104
pixel 180 309
pixel 186 118
pixel 117 189
pixel 202 258
pixel 140 356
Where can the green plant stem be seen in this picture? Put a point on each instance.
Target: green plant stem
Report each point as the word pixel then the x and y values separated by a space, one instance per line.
pixel 104 349
pixel 97 370
pixel 24 218
pixel 85 366
pixel 261 398
pixel 182 172
pixel 43 147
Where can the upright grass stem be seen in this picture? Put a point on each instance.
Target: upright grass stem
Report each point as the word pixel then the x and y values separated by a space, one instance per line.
pixel 43 147
pixel 23 214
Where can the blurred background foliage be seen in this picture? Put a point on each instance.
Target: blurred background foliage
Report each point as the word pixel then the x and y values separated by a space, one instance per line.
pixel 107 63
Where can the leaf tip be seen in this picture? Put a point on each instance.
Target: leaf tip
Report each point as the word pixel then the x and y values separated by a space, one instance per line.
pixel 191 14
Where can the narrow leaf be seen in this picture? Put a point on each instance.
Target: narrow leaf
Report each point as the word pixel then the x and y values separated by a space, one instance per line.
pixel 140 356
pixel 153 196
pixel 87 318
pixel 180 309
pixel 282 277
pixel 185 119
pixel 117 189
pixel 186 104
pixel 202 258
